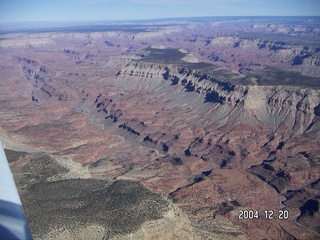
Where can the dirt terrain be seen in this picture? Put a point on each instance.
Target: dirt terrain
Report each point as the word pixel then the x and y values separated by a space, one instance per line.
pixel 120 132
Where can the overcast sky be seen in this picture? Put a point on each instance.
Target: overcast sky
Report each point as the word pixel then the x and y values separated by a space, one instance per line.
pixel 88 10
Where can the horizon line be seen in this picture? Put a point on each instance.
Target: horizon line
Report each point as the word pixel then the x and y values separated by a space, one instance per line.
pixel 162 19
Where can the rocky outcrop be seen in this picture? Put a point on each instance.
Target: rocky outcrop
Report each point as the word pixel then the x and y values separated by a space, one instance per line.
pixel 272 106
pixel 273 53
pixel 26 42
pixel 40 78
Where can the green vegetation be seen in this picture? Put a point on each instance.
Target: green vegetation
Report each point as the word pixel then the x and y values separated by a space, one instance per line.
pixel 167 56
pixel 267 77
pixel 13 156
pixel 275 76
pixel 174 56
pixel 120 206
pixel 42 167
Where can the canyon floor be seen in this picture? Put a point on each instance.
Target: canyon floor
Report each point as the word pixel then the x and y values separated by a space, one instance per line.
pixel 201 128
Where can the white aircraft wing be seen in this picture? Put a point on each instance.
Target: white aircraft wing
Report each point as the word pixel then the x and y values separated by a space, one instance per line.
pixel 13 224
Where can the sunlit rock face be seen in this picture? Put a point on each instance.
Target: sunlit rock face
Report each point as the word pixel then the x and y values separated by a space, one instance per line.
pixel 102 117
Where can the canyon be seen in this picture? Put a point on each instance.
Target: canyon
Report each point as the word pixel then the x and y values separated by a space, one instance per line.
pixel 166 129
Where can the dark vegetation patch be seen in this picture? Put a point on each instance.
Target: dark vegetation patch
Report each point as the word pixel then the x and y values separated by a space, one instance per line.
pixel 42 167
pixel 167 56
pixel 122 206
pixel 174 56
pixel 99 163
pixel 13 156
pixel 268 77
pixel 274 76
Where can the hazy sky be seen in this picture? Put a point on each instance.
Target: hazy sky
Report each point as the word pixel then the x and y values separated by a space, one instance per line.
pixel 79 10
